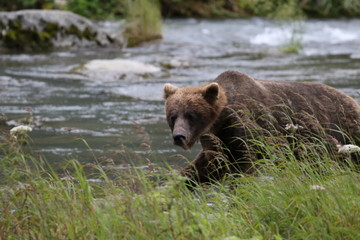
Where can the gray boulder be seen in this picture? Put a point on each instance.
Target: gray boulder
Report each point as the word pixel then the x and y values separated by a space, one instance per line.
pixel 51 29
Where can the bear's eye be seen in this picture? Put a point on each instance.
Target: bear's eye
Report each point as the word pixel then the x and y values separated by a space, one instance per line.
pixel 190 116
pixel 172 118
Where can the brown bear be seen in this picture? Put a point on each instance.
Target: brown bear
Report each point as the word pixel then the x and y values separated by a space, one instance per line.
pixel 228 112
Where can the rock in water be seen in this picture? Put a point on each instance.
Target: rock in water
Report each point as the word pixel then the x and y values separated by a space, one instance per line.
pixel 109 70
pixel 51 29
pixel 121 66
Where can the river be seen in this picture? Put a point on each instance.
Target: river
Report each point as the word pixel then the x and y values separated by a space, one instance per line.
pixel 119 116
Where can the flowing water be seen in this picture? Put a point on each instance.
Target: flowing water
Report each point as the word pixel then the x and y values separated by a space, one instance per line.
pixel 116 111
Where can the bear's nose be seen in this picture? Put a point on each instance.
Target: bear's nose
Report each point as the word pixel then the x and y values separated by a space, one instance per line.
pixel 179 139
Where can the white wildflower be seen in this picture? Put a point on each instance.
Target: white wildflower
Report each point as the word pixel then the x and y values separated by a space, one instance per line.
pixel 317 187
pixel 20 130
pixel 349 148
pixel 293 127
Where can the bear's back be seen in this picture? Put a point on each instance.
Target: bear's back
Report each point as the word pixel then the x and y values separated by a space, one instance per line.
pixel 327 104
pixel 238 85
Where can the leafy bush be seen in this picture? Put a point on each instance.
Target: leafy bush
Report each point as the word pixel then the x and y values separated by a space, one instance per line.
pixel 25 4
pixel 272 9
pixel 298 8
pixel 98 9
pixel 202 8
pixel 332 8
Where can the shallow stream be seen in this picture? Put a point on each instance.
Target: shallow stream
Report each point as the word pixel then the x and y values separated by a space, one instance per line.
pixel 116 111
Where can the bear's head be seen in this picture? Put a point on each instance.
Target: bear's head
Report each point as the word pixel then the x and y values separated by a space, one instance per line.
pixel 191 111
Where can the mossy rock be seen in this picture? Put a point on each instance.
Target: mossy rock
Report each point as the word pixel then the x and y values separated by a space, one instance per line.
pixel 136 35
pixel 88 34
pixel 22 39
pixel 50 29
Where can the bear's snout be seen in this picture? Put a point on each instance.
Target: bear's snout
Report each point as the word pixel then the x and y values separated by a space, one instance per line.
pixel 180 133
pixel 179 139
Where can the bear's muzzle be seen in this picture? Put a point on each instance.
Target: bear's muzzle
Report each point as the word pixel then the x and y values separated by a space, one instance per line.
pixel 180 134
pixel 179 139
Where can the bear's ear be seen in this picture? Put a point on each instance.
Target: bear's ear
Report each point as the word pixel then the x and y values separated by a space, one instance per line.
pixel 169 90
pixel 211 92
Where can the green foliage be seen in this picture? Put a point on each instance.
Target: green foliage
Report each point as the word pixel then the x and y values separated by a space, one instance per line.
pixel 298 9
pixel 283 9
pixel 294 45
pixel 14 5
pixel 201 8
pixel 332 8
pixel 98 9
pixel 280 9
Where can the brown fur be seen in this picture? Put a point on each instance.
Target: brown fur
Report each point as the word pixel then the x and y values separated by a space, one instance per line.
pixel 235 107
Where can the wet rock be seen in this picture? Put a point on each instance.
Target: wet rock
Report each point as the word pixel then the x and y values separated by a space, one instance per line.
pixel 108 70
pixel 121 66
pixel 51 29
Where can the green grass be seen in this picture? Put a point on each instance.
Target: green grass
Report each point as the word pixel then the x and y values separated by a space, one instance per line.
pixel 293 46
pixel 312 199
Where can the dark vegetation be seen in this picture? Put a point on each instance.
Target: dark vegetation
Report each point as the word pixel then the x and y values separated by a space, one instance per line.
pixel 98 9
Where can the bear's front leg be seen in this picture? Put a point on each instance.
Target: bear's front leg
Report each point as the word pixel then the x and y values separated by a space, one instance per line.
pixel 211 164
